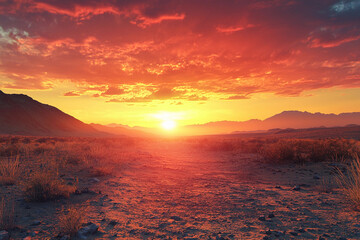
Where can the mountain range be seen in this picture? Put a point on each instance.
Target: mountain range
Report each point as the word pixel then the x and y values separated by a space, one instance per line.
pixel 22 115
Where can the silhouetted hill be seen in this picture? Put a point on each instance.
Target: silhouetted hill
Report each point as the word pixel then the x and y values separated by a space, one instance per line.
pixel 22 115
pixel 119 129
pixel 286 120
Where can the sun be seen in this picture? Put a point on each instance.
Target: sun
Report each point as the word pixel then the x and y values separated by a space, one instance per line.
pixel 168 125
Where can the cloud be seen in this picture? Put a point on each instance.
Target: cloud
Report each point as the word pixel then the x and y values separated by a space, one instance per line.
pixel 237 97
pixel 71 94
pixel 233 28
pixel 142 51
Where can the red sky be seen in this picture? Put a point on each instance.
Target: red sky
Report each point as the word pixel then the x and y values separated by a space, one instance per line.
pixel 143 57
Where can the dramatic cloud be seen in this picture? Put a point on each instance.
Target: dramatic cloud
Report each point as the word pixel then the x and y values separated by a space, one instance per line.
pixel 141 51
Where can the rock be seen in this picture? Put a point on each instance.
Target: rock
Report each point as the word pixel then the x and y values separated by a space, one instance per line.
pixel 342 238
pixel 321 238
pixel 88 230
pixel 262 218
pixel 4 235
pixel 278 186
pixel 301 230
pixel 316 177
pixel 268 232
pixel 94 180
pixel 35 223
pixel 294 233
pixel 176 218
pixel 271 215
pixel 297 188
pixel 113 222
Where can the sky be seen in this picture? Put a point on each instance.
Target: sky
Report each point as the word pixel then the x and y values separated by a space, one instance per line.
pixel 139 62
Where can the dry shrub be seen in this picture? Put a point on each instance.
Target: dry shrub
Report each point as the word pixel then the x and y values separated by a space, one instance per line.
pixel 9 171
pixel 44 186
pixel 305 150
pixel 70 221
pixel 350 182
pixel 7 214
pixel 100 171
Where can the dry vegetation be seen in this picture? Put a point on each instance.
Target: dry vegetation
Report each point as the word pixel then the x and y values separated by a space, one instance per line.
pixel 40 161
pixel 44 186
pixel 71 220
pixel 287 150
pixel 350 182
pixel 9 170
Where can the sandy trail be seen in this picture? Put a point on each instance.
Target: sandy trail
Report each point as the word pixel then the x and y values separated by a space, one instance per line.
pixel 172 190
pixel 175 191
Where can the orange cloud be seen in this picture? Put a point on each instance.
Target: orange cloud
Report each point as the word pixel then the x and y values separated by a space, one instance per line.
pixel 166 50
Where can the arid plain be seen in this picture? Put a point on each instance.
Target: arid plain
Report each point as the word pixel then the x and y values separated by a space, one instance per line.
pixel 177 188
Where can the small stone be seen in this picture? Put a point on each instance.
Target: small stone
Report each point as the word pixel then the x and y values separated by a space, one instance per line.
pixel 35 223
pixel 88 230
pixel 278 186
pixel 66 237
pixel 262 218
pixel 297 188
pixel 342 238
pixel 316 177
pixel 4 235
pixel 113 222
pixel 268 232
pixel 293 233
pixel 301 230
pixel 271 215
pixel 176 218
pixel 27 207
pixel 94 180
pixel 321 238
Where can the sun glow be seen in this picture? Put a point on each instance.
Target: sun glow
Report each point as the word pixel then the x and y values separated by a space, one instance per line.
pixel 168 125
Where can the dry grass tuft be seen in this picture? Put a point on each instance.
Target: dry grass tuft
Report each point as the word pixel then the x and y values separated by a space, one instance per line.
pixel 71 221
pixel 9 171
pixel 101 171
pixel 325 185
pixel 44 186
pixel 350 182
pixel 7 214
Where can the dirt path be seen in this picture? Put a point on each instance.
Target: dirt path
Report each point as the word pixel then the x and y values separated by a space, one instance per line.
pixel 170 190
pixel 176 191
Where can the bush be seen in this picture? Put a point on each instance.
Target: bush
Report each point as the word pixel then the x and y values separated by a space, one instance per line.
pixel 350 182
pixel 304 150
pixel 9 171
pixel 44 186
pixel 71 221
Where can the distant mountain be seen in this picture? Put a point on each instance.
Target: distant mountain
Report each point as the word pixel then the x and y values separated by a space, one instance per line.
pixel 22 115
pixel 119 129
pixel 285 120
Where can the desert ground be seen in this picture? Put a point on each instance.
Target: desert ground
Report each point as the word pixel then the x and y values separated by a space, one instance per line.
pixel 174 189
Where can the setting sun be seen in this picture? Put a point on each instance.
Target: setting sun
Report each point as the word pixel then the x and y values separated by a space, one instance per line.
pixel 168 125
